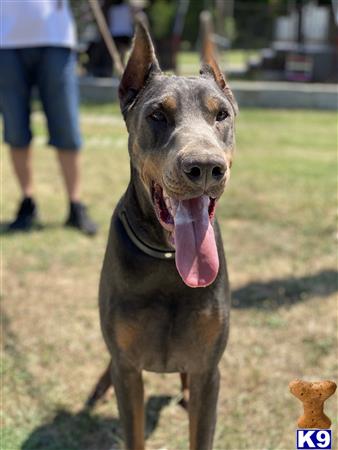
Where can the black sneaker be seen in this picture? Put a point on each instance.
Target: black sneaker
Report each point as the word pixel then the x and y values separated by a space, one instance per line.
pixel 26 217
pixel 78 218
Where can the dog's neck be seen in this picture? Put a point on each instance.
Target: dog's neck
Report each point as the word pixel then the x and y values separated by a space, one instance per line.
pixel 141 215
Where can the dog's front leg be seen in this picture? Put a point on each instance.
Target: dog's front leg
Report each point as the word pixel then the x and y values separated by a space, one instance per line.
pixel 204 389
pixel 128 386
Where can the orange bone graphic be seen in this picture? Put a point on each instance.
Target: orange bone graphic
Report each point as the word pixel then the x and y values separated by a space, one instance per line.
pixel 313 396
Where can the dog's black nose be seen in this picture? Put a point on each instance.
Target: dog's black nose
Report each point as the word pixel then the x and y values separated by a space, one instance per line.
pixel 204 171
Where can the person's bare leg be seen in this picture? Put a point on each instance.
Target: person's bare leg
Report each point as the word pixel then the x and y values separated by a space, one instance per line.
pixel 22 164
pixel 70 167
pixel 26 216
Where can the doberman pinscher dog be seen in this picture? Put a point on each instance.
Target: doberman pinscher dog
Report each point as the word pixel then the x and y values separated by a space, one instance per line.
pixel 164 292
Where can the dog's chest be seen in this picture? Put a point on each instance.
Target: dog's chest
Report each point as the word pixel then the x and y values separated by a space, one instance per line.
pixel 163 339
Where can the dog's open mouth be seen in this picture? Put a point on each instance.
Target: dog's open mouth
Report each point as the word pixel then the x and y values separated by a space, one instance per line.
pixel 189 223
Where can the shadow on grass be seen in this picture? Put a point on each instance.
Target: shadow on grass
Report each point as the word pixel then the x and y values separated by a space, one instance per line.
pixel 5 231
pixel 87 431
pixel 285 291
pixel 82 431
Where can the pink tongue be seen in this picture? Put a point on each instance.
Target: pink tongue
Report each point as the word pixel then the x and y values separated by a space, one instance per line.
pixel 196 252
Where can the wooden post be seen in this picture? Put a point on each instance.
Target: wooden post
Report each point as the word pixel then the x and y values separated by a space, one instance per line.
pixel 109 41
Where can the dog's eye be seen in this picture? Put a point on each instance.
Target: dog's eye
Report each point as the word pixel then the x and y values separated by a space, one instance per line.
pixel 158 116
pixel 222 115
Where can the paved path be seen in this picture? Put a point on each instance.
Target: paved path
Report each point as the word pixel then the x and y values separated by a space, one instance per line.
pixel 248 93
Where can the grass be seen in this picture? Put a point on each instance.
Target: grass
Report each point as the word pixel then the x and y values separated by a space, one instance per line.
pixel 279 226
pixel 236 59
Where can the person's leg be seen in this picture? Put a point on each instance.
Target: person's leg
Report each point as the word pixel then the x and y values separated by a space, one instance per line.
pixel 27 213
pixel 70 168
pixel 15 90
pixel 22 164
pixel 26 216
pixel 59 94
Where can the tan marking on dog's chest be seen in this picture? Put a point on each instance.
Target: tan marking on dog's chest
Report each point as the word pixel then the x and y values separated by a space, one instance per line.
pixel 127 333
pixel 209 326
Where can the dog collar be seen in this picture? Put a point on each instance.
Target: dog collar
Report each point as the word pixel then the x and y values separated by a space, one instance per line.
pixel 145 248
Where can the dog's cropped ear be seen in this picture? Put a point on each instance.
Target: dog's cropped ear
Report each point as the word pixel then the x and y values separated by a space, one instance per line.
pixel 209 64
pixel 141 65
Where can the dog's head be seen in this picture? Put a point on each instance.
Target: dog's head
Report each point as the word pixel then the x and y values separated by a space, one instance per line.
pixel 181 142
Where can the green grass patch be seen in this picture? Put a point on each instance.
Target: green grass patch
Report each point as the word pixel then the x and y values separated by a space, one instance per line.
pixel 189 62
